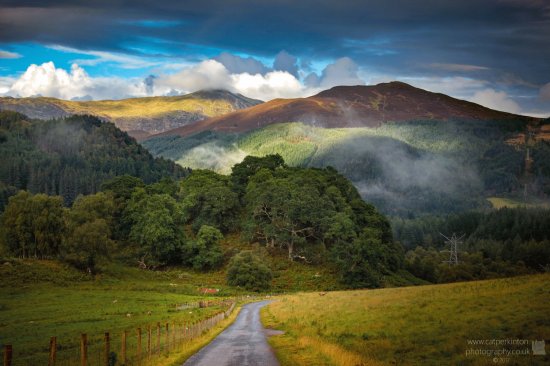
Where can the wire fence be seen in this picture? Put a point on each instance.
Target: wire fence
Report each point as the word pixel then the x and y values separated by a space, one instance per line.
pixel 142 346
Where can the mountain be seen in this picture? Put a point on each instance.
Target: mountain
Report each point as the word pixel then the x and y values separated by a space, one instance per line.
pixel 140 117
pixel 71 156
pixel 407 150
pixel 351 106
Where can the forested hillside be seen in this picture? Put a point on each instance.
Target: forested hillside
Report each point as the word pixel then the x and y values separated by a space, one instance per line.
pixel 405 169
pixel 497 242
pixel 70 156
pixel 310 216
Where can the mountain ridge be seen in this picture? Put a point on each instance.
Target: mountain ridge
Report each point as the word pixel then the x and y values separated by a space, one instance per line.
pixel 351 106
pixel 140 117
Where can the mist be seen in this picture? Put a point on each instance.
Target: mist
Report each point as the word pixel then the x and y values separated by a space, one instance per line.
pixel 397 177
pixel 212 156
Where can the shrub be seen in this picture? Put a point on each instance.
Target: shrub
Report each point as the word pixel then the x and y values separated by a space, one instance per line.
pixel 247 270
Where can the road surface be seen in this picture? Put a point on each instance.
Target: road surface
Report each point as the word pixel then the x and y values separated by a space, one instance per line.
pixel 242 344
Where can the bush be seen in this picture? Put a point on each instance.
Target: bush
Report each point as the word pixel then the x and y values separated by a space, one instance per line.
pixel 247 270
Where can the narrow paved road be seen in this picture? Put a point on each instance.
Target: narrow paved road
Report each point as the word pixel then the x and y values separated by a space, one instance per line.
pixel 242 344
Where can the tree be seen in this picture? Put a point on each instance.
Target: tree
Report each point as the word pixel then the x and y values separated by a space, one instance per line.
pixel 284 213
pixel 34 225
pixel 156 227
pixel 362 262
pixel 243 171
pixel 247 270
pixel 208 200
pixel 88 238
pixel 47 224
pixel 88 244
pixel 121 188
pixel 91 207
pixel 205 252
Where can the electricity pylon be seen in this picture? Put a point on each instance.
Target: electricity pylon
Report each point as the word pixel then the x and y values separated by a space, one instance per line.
pixel 453 242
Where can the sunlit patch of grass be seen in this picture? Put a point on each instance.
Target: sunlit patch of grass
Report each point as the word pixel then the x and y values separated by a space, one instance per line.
pixel 413 325
pixel 149 107
pixel 501 202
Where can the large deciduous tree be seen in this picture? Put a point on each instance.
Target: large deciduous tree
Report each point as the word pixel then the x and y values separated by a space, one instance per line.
pixel 156 227
pixel 207 199
pixel 34 225
pixel 89 229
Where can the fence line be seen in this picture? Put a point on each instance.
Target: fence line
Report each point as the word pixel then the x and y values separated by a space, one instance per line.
pixel 141 347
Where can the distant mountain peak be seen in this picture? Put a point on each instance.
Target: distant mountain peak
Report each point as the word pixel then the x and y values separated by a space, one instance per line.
pixel 222 94
pixel 352 106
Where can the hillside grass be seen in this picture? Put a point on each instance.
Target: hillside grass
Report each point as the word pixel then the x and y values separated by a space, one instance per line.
pixel 150 107
pixel 425 325
pixel 134 107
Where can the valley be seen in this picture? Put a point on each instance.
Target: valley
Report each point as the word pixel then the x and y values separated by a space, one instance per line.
pixel 274 183
pixel 309 213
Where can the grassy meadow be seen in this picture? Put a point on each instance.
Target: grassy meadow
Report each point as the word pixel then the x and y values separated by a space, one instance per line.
pixel 425 325
pixel 40 299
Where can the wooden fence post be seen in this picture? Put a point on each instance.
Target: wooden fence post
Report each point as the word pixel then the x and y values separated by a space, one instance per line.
pixel 8 351
pixel 53 350
pixel 123 347
pixel 167 338
pixel 139 345
pixel 107 341
pixel 149 342
pixel 83 350
pixel 158 338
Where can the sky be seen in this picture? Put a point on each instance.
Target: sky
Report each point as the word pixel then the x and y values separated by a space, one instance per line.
pixel 492 52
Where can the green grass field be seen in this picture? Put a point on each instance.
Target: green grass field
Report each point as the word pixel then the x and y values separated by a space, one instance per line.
pixel 40 299
pixel 425 325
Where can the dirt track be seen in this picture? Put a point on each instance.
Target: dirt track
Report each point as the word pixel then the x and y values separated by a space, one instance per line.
pixel 242 344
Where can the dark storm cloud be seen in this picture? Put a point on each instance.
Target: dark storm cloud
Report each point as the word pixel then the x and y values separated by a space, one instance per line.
pixel 505 36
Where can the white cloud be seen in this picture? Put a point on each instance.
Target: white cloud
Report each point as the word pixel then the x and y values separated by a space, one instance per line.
pixel 342 72
pixel 238 65
pixel 275 84
pixel 312 80
pixel 47 80
pixel 8 54
pixel 496 100
pixel 284 61
pixel 5 84
pixel 209 74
